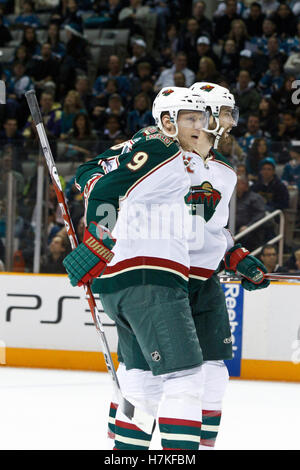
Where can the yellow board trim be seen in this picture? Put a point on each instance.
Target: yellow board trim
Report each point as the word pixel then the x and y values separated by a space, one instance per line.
pixel 270 370
pixel 57 359
pixel 94 361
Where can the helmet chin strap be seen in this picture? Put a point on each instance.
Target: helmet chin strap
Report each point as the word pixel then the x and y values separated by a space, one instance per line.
pixel 218 137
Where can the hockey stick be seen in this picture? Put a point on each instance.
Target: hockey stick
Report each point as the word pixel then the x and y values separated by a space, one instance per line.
pixel 141 419
pixel 278 277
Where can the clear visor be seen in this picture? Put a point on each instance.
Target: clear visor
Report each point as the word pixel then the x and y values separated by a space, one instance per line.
pixel 193 119
pixel 229 117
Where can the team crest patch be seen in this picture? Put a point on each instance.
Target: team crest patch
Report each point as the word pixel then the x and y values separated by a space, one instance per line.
pixel 207 88
pixel 204 194
pixel 167 92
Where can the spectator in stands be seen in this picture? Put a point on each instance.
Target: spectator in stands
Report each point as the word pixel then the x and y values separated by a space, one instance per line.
pixel 51 113
pixel 30 41
pixel 283 97
pixel 269 6
pixel 171 42
pixel 179 79
pixel 44 69
pixel 269 256
pixel 274 51
pixel 288 128
pixel 58 48
pixel 141 115
pixel 255 20
pixel 203 49
pixel 5 35
pixel 82 86
pixel 291 171
pixel 71 107
pixel 267 109
pixel 52 261
pixel 9 164
pixel 138 55
pixel 112 130
pixel 250 207
pixel 238 32
pixel 273 79
pixel 229 61
pixel 207 71
pixel 223 22
pixel 188 39
pixel 134 17
pixel 111 87
pixel 23 56
pixel 285 20
pixel 247 98
pixel 166 78
pixel 270 187
pixel 143 71
pixel 28 17
pixel 253 132
pixel 205 25
pixel 10 135
pixel 115 107
pixel 17 85
pixel 257 152
pixel 75 61
pixel 114 72
pixel 73 14
pixel 81 139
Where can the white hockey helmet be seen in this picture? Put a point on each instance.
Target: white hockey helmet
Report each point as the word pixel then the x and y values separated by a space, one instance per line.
pixel 174 99
pixel 215 97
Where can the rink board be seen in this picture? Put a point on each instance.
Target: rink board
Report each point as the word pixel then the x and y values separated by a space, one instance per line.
pixel 45 322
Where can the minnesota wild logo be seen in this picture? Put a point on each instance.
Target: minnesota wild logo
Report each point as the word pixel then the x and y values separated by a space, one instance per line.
pixel 207 88
pixel 167 92
pixel 204 194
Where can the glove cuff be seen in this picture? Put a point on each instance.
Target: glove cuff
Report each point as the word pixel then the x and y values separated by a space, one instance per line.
pixel 233 256
pixel 99 241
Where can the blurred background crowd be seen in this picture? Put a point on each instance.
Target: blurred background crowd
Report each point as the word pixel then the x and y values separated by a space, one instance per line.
pixel 97 65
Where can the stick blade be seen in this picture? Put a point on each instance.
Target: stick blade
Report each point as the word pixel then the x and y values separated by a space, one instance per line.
pixel 140 418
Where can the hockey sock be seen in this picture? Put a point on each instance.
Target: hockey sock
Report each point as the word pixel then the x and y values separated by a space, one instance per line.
pixel 111 420
pixel 180 423
pixel 210 427
pixel 128 436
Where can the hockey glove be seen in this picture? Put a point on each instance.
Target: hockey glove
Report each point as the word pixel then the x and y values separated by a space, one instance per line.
pixel 88 260
pixel 239 260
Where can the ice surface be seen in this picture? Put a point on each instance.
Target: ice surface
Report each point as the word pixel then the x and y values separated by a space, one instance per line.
pixel 56 409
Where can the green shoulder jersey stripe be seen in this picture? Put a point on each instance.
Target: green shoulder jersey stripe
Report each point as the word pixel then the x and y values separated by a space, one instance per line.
pixel 218 157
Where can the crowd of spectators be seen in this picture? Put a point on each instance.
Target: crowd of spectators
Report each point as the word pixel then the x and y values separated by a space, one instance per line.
pixel 250 47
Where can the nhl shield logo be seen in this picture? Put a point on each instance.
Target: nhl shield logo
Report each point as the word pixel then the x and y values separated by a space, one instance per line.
pixel 155 356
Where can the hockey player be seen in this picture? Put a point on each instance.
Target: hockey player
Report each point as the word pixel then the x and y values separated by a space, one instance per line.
pixel 212 184
pixel 143 282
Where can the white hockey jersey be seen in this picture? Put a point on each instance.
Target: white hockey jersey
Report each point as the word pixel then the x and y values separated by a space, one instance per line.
pixel 147 186
pixel 212 184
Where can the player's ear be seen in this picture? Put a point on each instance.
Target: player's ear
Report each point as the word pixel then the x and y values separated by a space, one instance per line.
pixel 167 124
